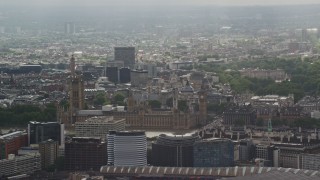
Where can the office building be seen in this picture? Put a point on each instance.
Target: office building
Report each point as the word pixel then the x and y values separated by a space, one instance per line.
pixel 99 126
pixel 118 64
pixel 113 74
pixel 12 142
pixel 213 153
pixel 85 153
pixel 173 150
pixel 49 152
pixel 127 148
pixel 42 131
pixel 69 28
pixel 29 68
pixel 180 64
pixel 290 153
pixel 246 150
pixel 125 54
pixel 151 68
pixel 310 161
pixel 139 78
pixel 268 154
pixel 16 165
pixel 125 75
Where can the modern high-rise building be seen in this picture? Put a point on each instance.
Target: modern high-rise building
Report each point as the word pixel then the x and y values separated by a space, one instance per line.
pixel 139 78
pixel 17 165
pixel 42 131
pixel 49 152
pixel 150 67
pixel 173 150
pixel 118 64
pixel 12 142
pixel 113 74
pixel 246 150
pixel 69 28
pixel 99 126
pixel 124 75
pixel 85 153
pixel 125 54
pixel 213 153
pixel 127 148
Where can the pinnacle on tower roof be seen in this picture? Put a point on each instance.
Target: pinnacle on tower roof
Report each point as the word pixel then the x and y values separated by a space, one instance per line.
pixel 72 65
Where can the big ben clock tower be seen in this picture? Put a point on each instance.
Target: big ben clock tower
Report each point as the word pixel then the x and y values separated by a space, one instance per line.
pixel 202 107
pixel 76 91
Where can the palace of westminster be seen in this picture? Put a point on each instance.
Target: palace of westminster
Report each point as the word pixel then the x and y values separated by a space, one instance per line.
pixel 138 114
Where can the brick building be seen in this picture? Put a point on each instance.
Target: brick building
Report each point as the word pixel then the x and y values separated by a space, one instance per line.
pixel 12 142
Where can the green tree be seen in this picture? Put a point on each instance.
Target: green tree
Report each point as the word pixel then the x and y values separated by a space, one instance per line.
pixel 183 105
pixel 20 115
pixel 119 99
pixel 307 123
pixel 100 99
pixel 155 104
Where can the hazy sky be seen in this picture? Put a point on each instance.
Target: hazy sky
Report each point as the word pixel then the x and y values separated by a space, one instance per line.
pixel 153 2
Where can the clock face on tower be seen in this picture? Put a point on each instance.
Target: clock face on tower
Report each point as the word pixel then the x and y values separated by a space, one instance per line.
pixel 201 97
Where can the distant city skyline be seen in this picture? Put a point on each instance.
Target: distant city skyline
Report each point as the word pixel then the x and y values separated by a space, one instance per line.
pixel 155 2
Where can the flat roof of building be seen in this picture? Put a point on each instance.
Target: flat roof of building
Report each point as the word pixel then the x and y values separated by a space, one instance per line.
pixel 230 172
pixel 101 119
pixel 12 135
pixel 128 133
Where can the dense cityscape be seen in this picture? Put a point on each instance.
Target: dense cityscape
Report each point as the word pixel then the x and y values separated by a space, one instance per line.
pixel 167 92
